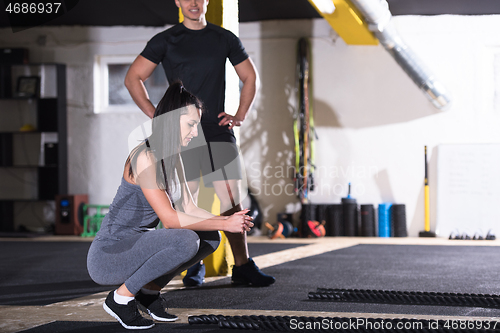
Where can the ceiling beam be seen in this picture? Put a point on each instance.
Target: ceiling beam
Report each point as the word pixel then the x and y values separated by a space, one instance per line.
pixel 346 20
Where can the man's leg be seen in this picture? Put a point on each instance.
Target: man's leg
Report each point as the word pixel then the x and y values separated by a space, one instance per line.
pixel 228 193
pixel 244 271
pixel 195 275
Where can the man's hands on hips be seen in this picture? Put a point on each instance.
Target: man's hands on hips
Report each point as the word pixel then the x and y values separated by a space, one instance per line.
pixel 229 120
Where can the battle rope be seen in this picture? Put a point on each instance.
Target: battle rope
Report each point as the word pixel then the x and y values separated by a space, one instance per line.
pixel 337 324
pixel 406 297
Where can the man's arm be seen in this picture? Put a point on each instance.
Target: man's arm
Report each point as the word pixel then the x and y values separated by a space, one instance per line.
pixel 248 75
pixel 138 73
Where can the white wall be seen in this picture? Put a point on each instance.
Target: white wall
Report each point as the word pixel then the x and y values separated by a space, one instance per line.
pixel 372 121
pixel 97 143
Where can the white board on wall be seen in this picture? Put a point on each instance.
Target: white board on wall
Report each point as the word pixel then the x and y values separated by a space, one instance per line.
pixel 468 189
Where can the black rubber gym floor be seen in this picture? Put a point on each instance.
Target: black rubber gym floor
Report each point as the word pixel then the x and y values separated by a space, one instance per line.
pixel 41 273
pixel 99 327
pixel 454 269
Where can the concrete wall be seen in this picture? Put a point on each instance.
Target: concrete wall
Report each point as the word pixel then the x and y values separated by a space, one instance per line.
pixel 372 122
pixel 97 143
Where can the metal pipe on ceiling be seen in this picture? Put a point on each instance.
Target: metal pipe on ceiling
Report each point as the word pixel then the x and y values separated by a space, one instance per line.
pixel 379 18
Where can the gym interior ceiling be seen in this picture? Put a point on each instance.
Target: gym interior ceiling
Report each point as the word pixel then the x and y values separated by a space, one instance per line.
pixel 163 12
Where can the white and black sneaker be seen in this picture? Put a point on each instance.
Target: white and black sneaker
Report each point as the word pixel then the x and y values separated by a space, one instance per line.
pixel 155 306
pixel 128 315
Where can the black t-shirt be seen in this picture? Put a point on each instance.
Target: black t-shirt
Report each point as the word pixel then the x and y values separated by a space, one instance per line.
pixel 198 59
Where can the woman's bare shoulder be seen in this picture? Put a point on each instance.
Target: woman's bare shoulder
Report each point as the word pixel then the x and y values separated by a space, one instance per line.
pixel 139 162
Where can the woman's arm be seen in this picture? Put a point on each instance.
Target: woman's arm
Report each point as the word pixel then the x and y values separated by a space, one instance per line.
pixel 170 218
pixel 160 202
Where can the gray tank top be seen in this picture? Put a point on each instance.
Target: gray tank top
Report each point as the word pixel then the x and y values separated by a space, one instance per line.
pixel 130 212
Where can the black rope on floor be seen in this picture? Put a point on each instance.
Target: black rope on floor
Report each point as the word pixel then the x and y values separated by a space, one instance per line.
pixel 406 297
pixel 348 325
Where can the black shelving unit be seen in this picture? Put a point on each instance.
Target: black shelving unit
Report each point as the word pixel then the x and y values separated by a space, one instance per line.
pixel 40 173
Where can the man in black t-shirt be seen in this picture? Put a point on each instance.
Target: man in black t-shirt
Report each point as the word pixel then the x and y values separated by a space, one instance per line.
pixel 195 53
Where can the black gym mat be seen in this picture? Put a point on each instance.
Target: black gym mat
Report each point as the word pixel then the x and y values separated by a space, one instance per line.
pixel 459 269
pixel 41 273
pixel 112 327
pixel 258 249
pixel 390 267
pixel 107 327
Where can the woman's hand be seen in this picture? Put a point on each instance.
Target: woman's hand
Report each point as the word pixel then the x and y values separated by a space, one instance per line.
pixel 239 222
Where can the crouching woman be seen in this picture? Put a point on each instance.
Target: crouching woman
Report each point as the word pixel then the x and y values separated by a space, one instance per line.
pixel 129 250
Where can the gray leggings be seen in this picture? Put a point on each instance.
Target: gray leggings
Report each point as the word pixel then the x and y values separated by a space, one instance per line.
pixel 154 256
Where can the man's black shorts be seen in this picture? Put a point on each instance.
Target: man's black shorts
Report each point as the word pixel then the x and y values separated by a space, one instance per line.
pixel 216 160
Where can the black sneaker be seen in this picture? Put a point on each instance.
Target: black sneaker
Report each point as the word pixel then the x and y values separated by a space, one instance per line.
pixel 155 306
pixel 195 275
pixel 250 274
pixel 128 315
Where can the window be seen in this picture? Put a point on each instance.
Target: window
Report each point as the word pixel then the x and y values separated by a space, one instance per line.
pixel 110 93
